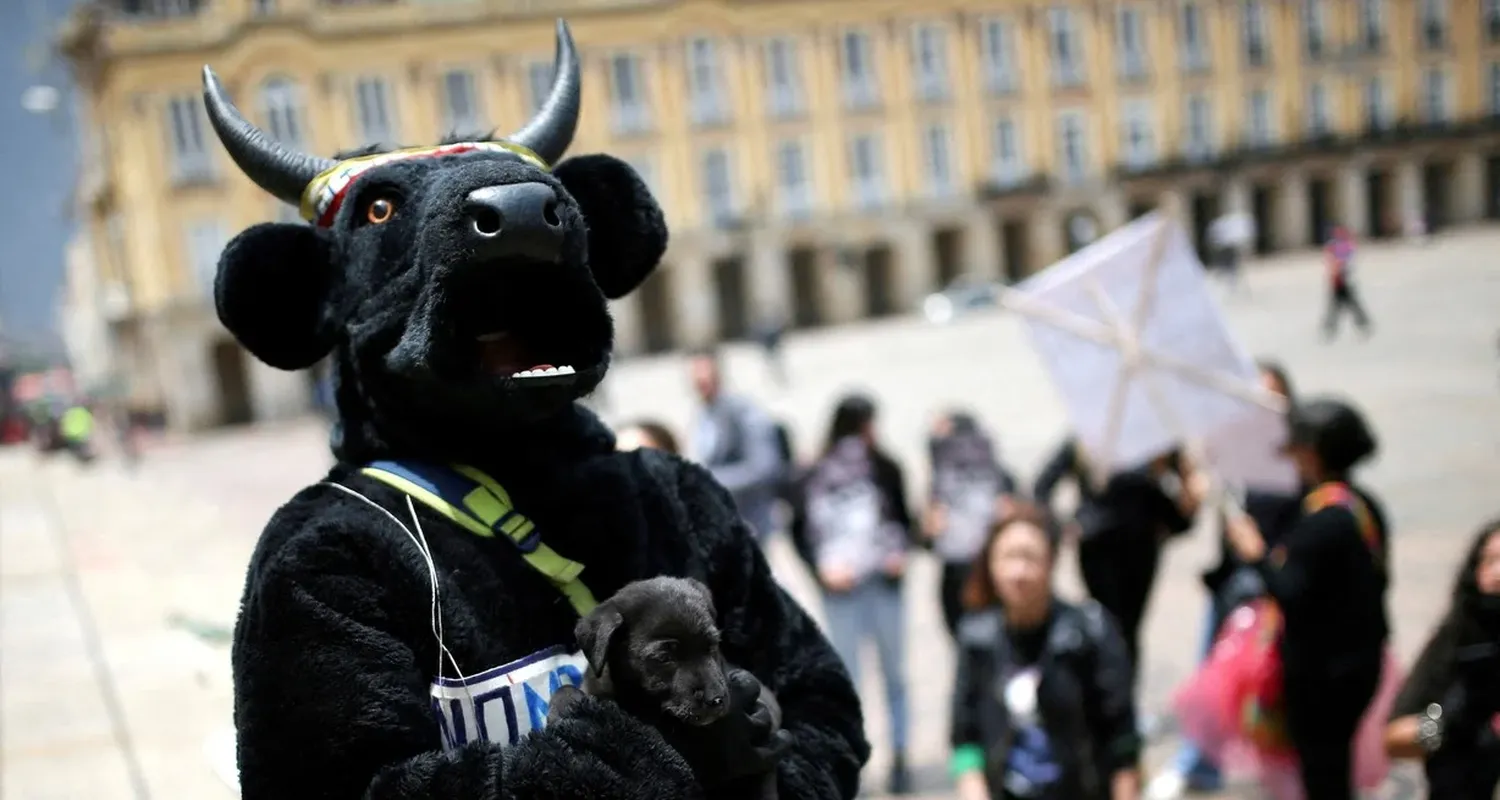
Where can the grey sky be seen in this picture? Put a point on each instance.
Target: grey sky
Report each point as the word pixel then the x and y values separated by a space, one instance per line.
pixel 36 160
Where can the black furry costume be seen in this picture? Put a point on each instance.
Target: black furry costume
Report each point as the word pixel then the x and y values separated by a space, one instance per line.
pixel 334 650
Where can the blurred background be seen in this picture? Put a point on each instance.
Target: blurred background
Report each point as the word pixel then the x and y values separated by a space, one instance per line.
pixel 858 176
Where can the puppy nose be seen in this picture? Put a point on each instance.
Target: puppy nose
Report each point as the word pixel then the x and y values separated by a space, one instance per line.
pixel 513 220
pixel 711 700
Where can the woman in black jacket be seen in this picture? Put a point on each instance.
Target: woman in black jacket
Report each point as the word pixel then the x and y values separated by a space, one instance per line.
pixel 1328 577
pixel 1448 713
pixel 1121 529
pixel 1042 701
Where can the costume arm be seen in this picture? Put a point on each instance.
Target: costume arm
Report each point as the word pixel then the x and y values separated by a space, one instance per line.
pixel 1057 468
pixel 760 462
pixel 331 697
pixel 767 633
pixel 966 734
pixel 1113 697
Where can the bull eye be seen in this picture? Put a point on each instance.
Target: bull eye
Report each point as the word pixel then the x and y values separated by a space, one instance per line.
pixel 666 650
pixel 380 210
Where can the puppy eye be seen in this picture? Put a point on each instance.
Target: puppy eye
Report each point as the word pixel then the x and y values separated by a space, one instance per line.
pixel 381 210
pixel 666 650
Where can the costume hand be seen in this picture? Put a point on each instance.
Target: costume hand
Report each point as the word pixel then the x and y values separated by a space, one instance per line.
pixel 629 753
pixel 1244 537
pixel 836 578
pixel 749 740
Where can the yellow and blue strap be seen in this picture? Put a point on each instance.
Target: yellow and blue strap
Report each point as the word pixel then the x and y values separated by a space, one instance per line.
pixel 479 504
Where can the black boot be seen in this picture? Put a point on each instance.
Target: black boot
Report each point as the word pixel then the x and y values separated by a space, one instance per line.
pixel 900 776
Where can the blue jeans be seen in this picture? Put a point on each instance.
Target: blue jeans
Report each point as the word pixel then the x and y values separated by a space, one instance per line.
pixel 873 609
pixel 1190 761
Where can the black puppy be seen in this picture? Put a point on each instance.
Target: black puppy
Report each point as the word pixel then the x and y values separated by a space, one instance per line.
pixel 653 648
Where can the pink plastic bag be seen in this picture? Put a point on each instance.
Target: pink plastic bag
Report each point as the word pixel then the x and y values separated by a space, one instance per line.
pixel 1223 709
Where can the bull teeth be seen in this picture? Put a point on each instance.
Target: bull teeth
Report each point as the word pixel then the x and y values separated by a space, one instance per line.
pixel 543 373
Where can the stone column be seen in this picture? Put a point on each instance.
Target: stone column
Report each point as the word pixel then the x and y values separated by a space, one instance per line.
pixel 982 247
pixel 1291 213
pixel 1411 202
pixel 913 262
pixel 1172 201
pixel 1235 199
pixel 276 394
pixel 769 277
pixel 629 335
pixel 1468 190
pixel 694 299
pixel 1353 212
pixel 1047 245
pixel 1111 210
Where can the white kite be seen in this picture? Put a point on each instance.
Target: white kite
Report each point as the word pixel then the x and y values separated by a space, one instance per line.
pixel 1138 348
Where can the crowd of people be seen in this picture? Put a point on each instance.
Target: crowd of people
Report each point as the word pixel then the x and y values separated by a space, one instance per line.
pixel 1045 690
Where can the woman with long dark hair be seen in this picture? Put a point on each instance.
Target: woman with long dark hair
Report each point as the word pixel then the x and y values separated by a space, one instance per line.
pixel 851 524
pixel 1328 579
pixel 1042 699
pixel 1448 712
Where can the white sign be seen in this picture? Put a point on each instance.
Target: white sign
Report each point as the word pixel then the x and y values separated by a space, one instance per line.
pixel 1247 452
pixel 1137 346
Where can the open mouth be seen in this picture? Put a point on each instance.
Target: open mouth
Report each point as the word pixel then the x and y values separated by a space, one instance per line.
pixel 504 355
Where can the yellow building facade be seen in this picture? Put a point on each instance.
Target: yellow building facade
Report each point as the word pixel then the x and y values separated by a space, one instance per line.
pixel 819 160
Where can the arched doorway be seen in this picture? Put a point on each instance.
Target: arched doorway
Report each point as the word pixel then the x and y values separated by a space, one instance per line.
pixel 658 331
pixel 233 382
pixel 947 255
pixel 880 294
pixel 729 289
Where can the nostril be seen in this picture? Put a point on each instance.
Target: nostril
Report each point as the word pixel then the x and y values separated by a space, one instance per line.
pixel 549 214
pixel 486 221
pixel 715 701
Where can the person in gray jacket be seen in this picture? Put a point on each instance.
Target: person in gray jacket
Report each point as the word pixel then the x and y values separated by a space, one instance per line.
pixel 737 442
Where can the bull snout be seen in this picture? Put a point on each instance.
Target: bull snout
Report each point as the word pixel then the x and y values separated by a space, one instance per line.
pixel 514 220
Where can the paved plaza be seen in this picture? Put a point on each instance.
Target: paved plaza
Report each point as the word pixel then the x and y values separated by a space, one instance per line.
pixel 118 587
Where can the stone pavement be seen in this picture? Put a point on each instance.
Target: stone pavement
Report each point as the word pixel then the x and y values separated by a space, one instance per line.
pixel 116 588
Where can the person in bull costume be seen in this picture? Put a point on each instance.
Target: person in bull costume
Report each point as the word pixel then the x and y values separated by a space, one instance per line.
pixel 406 618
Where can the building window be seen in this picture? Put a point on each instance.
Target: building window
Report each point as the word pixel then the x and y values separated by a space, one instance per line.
pixel 718 187
pixel 1192 37
pixel 1314 27
pixel 1434 94
pixel 997 55
pixel 1372 24
pixel 373 117
pixel 1007 163
pixel 1434 24
pixel 930 61
pixel 627 94
pixel 706 101
pixel 1492 20
pixel 191 160
pixel 867 171
pixel 263 8
pixel 1073 147
pixel 1065 46
pixel 1130 42
pixel 160 9
pixel 857 60
pixel 1377 116
pixel 1254 30
pixel 1260 131
pixel 282 102
pixel 793 184
pixel 937 155
pixel 1138 143
pixel 783 78
pixel 1317 109
pixel 1199 134
pixel 204 240
pixel 1495 88
pixel 538 84
pixel 461 113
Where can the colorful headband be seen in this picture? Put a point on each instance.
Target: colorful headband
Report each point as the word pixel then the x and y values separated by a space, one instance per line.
pixel 325 193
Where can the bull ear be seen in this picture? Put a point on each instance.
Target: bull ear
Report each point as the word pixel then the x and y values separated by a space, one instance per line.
pixel 273 293
pixel 627 234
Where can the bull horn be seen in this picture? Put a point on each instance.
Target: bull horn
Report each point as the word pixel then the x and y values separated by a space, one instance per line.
pixel 282 172
pixel 551 131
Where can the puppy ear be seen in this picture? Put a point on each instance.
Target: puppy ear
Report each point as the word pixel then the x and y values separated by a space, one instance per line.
pixel 272 292
pixel 708 596
pixel 596 632
pixel 627 234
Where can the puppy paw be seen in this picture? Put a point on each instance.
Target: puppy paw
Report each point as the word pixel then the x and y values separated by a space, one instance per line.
pixel 563 702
